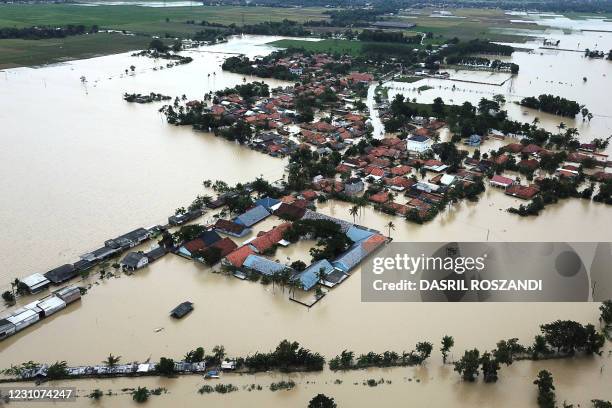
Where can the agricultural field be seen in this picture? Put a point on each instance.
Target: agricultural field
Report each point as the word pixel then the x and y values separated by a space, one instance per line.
pixel 144 21
pixel 147 20
pixel 492 24
pixel 17 53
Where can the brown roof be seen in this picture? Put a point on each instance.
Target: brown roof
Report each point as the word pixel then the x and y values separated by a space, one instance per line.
pixel 238 256
pixel 380 198
pixel 226 246
pixel 229 226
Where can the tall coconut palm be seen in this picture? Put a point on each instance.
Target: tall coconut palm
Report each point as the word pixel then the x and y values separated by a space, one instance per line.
pixel 112 361
pixel 354 210
pixel 391 226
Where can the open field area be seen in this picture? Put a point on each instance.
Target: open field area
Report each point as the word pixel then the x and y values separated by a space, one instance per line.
pixel 145 21
pixel 16 52
pixel 489 24
pixel 149 20
pixel 353 48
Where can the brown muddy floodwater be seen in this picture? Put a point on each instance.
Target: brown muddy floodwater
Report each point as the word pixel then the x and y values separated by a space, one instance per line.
pixel 78 165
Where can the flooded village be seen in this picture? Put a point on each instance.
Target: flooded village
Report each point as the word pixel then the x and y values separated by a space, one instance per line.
pixel 275 214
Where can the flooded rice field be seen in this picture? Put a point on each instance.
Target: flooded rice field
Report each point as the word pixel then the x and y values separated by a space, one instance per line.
pixel 80 165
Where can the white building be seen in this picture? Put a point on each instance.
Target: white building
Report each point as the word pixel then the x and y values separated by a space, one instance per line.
pixel 418 143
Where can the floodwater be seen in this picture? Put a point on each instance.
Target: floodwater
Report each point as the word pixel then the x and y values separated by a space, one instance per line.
pixel 557 72
pixel 80 165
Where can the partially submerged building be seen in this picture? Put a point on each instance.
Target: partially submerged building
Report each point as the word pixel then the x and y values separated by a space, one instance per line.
pixel 61 274
pixel 35 283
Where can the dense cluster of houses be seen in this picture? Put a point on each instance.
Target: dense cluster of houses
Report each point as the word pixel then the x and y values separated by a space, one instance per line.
pixel 253 255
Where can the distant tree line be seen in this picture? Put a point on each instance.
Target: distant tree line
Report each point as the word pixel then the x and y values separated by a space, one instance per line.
pixel 44 32
pixel 388 36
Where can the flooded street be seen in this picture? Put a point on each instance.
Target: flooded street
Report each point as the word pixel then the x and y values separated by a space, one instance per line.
pixel 80 165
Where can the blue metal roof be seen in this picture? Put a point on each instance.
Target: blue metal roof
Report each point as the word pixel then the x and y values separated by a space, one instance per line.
pixel 267 202
pixel 310 276
pixel 252 216
pixel 357 234
pixel 263 265
pixel 209 237
pixel 350 258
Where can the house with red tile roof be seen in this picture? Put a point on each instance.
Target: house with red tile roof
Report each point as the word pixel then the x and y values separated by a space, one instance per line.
pixel 309 195
pixel 400 170
pixel 523 192
pixel 501 181
pixel 236 258
pixel 266 240
pixel 380 198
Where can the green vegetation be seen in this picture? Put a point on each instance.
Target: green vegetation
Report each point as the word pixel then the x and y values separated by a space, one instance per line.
pixel 143 21
pixel 322 401
pixel 346 360
pixel 553 104
pixel 546 395
pixel 18 52
pixel 147 20
pixel 354 48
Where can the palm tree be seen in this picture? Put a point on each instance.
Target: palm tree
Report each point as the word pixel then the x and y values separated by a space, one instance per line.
pixel 561 126
pixel 391 226
pixel 354 210
pixel 321 275
pixel 112 361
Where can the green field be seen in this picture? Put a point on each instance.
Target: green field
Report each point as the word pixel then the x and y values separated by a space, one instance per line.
pixel 492 24
pixel 329 46
pixel 148 20
pixel 17 53
pixel 145 21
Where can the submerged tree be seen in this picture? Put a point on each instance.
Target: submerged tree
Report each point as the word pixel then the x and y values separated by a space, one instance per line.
pixel 467 366
pixel 447 343
pixel 322 401
pixel 546 395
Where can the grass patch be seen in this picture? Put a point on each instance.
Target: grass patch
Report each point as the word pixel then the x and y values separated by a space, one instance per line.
pixel 353 48
pixel 329 46
pixel 148 20
pixel 408 79
pixel 144 21
pixel 16 52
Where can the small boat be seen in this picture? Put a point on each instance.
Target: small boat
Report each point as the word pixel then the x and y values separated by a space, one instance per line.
pixel 212 374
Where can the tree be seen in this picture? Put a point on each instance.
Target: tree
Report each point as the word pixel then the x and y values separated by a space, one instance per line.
pixel 391 226
pixel 322 401
pixel 546 396
pixel 354 210
pixel 506 349
pixel 218 353
pixel 57 370
pixel 447 343
pixel 606 312
pixel 195 356
pixel 165 366
pixel 140 395
pixel 8 297
pixel 112 361
pixel 490 366
pixel 424 350
pixel 437 108
pixel 158 45
pixel 467 366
